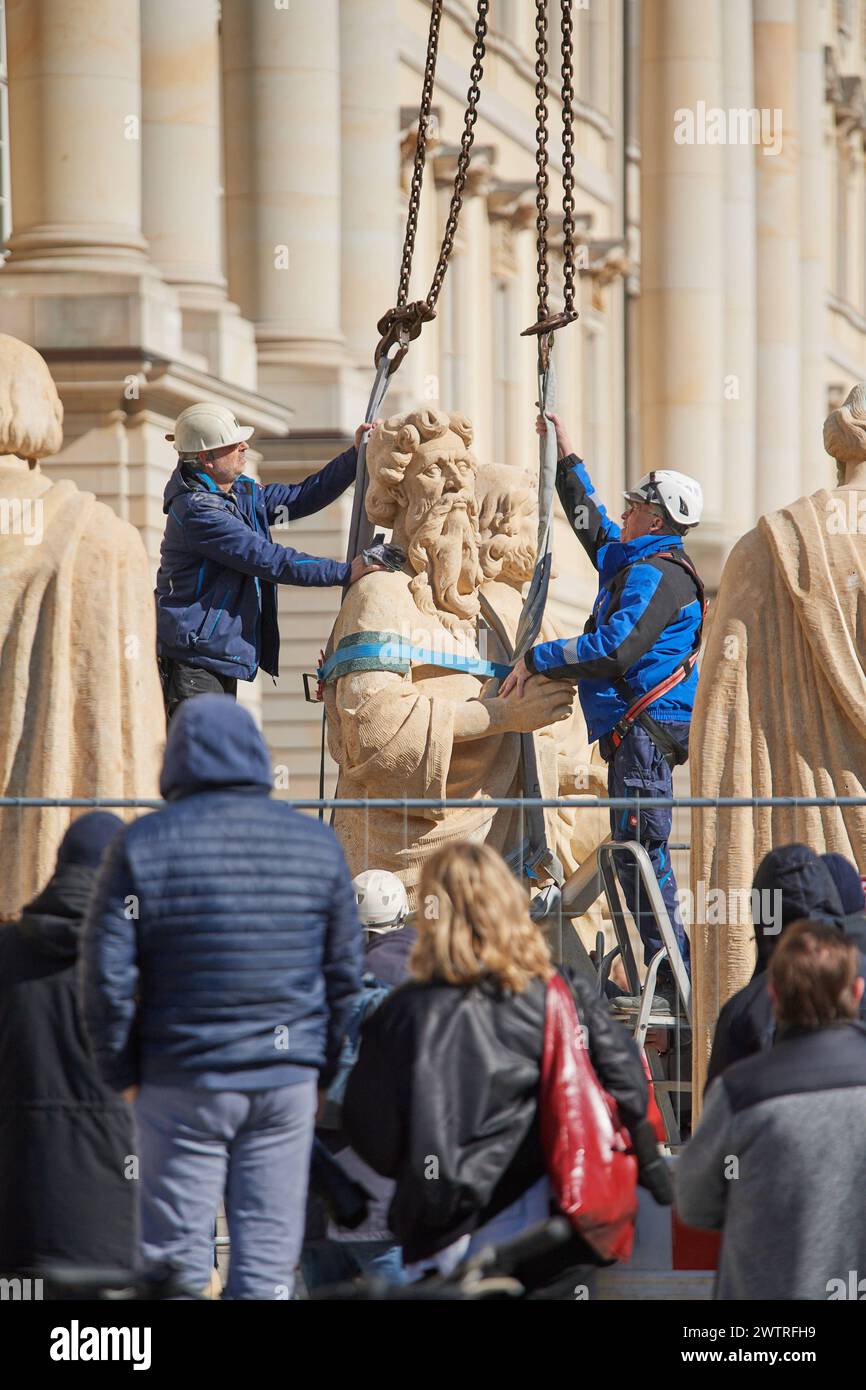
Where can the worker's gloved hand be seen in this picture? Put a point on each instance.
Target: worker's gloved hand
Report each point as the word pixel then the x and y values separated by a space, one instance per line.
pixel 382 552
pixel 653 1172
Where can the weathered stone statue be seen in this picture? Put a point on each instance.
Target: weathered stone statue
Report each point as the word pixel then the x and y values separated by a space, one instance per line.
pixel 401 723
pixel 781 708
pixel 508 523
pixel 79 690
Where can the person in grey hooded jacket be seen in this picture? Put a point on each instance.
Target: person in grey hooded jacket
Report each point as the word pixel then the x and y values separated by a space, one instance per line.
pixel 777 1160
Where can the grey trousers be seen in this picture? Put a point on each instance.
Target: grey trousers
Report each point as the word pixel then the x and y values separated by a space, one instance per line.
pixel 253 1147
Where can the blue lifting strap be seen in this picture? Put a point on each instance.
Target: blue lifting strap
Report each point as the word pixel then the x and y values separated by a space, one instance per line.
pixel 387 651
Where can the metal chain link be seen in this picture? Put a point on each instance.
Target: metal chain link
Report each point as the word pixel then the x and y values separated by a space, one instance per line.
pixel 420 152
pixel 541 176
pixel 466 142
pixel 568 155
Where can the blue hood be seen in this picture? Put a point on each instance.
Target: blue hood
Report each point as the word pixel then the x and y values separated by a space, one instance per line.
pixel 213 743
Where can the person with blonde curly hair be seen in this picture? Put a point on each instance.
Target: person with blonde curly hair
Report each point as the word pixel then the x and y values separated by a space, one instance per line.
pixel 444 1096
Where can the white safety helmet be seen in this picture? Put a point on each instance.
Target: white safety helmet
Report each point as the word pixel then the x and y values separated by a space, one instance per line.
pixel 679 496
pixel 206 426
pixel 381 899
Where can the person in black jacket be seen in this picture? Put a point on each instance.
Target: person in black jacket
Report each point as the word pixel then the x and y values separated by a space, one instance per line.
pixel 67 1189
pixel 791 883
pixel 444 1096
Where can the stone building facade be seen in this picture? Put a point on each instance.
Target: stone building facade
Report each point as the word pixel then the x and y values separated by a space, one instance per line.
pixel 205 201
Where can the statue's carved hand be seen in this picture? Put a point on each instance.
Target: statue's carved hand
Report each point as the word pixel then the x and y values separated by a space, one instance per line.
pixel 543 702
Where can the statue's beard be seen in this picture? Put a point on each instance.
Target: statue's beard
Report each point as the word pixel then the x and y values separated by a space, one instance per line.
pixel 508 558
pixel 444 553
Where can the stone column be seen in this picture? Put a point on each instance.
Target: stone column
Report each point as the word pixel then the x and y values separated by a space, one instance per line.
pixel 281 102
pixel 182 214
pixel 778 256
pixel 74 102
pixel 181 143
pixel 739 277
pixel 370 169
pixel 815 470
pixel 682 272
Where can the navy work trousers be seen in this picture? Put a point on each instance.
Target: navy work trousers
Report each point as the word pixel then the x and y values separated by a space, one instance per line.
pixel 638 767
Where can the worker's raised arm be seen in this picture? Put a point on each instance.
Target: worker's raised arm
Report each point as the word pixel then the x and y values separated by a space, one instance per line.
pixel 292 501
pixel 587 518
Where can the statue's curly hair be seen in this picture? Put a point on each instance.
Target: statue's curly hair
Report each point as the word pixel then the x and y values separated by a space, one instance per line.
pixel 390 449
pixel 845 428
pixel 31 413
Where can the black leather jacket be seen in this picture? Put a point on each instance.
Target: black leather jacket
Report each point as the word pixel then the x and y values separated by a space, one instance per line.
pixel 444 1099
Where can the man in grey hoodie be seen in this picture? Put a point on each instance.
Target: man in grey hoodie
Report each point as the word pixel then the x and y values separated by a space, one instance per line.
pixel 778 1158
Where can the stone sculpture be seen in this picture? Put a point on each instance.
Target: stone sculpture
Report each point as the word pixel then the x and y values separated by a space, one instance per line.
pixel 780 710
pixel 399 725
pixel 79 690
pixel 508 524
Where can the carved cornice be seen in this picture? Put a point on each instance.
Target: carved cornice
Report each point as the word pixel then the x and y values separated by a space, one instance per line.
pixel 845 93
pixel 512 202
pixel 409 140
pixel 479 175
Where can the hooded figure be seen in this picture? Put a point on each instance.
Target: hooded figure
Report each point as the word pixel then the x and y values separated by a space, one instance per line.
pixel 849 886
pixel 791 883
pixel 221 956
pixel 64 1136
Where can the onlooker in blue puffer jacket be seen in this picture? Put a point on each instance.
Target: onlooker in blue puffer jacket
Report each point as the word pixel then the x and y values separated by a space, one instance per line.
pixel 221 956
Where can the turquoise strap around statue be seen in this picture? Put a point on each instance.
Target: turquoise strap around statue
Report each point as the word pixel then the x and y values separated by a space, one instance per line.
pixel 386 651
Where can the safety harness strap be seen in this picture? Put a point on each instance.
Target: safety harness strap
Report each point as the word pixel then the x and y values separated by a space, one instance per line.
pixel 635 713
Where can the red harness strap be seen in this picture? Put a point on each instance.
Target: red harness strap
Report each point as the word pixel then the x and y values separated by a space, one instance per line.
pixel 636 709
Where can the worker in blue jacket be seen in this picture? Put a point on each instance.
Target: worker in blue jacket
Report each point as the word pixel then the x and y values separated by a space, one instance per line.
pixel 635 663
pixel 216 601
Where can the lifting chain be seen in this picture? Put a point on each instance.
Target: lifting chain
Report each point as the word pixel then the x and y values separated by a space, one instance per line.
pixel 404 322
pixel 541 176
pixel 420 153
pixel 466 141
pixel 568 156
pixel 548 323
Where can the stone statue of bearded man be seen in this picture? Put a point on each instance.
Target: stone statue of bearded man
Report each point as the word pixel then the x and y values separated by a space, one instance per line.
pixel 406 690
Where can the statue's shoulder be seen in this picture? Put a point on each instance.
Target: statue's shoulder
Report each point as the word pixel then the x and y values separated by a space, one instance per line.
pixel 747 561
pixel 380 602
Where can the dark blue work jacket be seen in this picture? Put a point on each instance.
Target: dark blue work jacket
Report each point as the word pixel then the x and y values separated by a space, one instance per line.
pixel 216 601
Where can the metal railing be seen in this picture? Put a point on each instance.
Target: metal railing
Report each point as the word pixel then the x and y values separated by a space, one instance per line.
pixel 398 803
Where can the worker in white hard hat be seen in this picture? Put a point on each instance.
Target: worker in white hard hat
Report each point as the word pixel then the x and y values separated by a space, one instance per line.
pixel 216 602
pixel 635 665
pixel 383 908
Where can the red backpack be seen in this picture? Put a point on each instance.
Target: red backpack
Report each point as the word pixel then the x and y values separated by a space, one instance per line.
pixel 587 1149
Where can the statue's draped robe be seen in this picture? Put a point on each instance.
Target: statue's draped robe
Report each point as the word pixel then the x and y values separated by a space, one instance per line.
pixel 392 735
pixel 781 711
pixel 79 690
